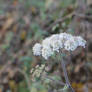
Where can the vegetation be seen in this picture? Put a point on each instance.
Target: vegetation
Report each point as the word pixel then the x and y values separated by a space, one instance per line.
pixel 26 22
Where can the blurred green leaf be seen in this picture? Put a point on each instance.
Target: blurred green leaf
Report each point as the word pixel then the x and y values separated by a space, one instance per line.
pixel 66 3
pixel 56 77
pixel 38 87
pixel 1 11
pixel 25 58
pixel 5 46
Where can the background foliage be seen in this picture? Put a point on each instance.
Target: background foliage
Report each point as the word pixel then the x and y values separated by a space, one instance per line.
pixel 25 22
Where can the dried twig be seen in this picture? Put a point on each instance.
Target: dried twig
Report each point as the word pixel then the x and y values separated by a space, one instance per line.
pixel 59 21
pixel 69 16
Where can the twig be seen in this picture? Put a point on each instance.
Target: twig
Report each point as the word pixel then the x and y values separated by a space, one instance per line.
pixel 65 72
pixel 59 20
pixel 56 81
pixel 68 16
pixel 83 16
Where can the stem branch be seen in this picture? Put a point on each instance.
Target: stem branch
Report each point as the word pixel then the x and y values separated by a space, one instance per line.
pixel 66 75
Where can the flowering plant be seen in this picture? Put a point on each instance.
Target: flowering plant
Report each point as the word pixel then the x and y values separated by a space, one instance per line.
pixel 58 43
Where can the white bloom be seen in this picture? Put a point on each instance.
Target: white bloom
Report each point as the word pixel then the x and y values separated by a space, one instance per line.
pixel 64 37
pixel 81 41
pixel 70 45
pixel 56 44
pixel 37 49
pixel 46 42
pixel 54 37
pixel 47 52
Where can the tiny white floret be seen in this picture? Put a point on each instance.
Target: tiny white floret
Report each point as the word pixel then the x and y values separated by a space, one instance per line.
pixel 47 52
pixel 37 49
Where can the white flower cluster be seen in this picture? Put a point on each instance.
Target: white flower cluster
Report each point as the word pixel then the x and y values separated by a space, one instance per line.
pixel 57 42
pixel 37 49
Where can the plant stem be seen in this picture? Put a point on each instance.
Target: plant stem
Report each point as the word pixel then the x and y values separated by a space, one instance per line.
pixel 66 75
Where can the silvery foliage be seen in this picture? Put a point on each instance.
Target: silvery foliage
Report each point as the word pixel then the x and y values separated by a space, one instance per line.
pixel 57 42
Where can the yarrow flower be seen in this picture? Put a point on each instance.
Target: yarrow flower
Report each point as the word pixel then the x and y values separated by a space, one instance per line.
pixel 37 49
pixel 47 52
pixel 70 45
pixel 56 45
pixel 64 37
pixel 57 42
pixel 46 42
pixel 81 41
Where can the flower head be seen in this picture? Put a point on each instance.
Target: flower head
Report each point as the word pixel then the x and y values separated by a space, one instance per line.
pixel 64 37
pixel 81 41
pixel 54 37
pixel 70 45
pixel 46 42
pixel 47 52
pixel 37 49
pixel 56 45
pixel 56 42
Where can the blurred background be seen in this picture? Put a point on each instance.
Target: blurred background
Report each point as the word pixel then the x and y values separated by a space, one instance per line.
pixel 25 22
